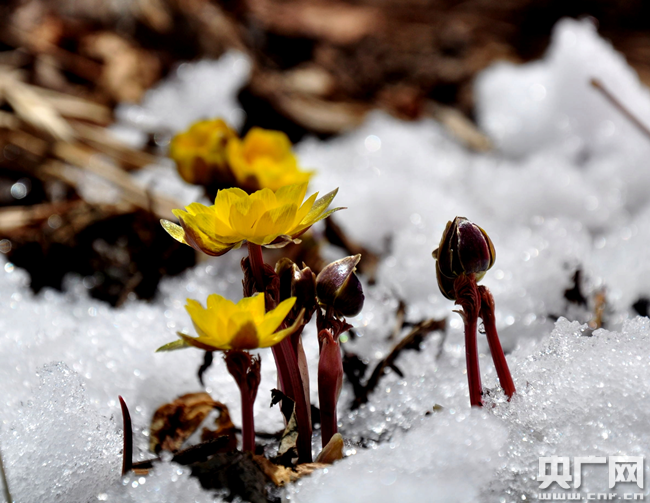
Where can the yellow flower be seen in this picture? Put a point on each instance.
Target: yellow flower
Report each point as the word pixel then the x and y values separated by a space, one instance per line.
pixel 200 152
pixel 225 325
pixel 264 159
pixel 268 218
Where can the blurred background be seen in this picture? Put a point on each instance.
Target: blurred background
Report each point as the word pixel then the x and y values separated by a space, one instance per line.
pixel 318 67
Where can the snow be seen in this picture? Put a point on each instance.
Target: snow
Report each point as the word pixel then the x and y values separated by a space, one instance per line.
pixel 564 189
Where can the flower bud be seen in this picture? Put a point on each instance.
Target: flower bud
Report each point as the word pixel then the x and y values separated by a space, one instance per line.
pixel 465 248
pixel 299 283
pixel 338 287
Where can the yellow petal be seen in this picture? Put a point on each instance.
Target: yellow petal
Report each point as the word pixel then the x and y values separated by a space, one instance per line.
pixel 273 223
pixel 255 305
pixel 261 142
pixel 225 199
pixel 318 208
pixel 303 227
pixel 265 196
pixel 221 305
pixel 283 218
pixel 197 209
pixel 274 318
pixel 291 194
pixel 214 228
pixel 199 240
pixel 276 337
pixel 201 318
pixel 306 208
pixel 240 223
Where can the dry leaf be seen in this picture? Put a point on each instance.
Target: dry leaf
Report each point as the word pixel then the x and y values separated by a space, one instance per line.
pixel 333 451
pixel 281 475
pixel 225 427
pixel 31 107
pixel 173 423
pixel 309 468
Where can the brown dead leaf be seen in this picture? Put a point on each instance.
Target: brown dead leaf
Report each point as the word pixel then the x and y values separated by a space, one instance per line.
pixel 282 475
pixel 225 427
pixel 308 468
pixel 333 451
pixel 174 422
pixel 600 304
pixel 335 22
pixel 32 108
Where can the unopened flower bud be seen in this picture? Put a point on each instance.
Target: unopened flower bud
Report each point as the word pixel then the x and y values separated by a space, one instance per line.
pixel 465 248
pixel 338 287
pixel 284 268
pixel 299 283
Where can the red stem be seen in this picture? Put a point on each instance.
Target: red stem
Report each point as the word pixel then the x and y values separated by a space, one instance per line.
pixel 247 421
pixel 500 363
pixel 257 265
pixel 328 425
pixel 467 296
pixel 471 357
pixel 292 386
pixel 330 381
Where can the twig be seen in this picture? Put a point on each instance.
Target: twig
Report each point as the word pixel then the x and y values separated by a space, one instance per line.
pixel 131 193
pixel 598 85
pixel 5 484
pixel 208 357
pixel 400 317
pixel 459 126
pixel 127 453
pixel 193 454
pixel 31 107
pixel 74 107
pixel 102 140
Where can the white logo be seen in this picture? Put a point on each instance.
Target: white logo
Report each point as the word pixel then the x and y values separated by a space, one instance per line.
pixel 557 469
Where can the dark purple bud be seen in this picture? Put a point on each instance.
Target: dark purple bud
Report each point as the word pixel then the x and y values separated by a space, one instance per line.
pixel 299 283
pixel 465 248
pixel 284 269
pixel 338 287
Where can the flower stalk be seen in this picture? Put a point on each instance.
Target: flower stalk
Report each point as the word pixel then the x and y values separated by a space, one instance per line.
pixel 499 358
pixel 292 385
pixel 468 298
pixel 330 383
pixel 245 369
pixel 257 265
